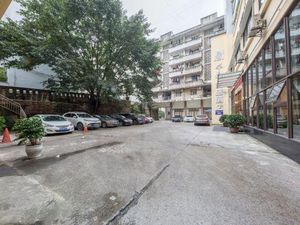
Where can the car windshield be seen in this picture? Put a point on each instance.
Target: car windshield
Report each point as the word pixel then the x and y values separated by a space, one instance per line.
pixel 52 118
pixel 189 116
pixel 84 115
pixel 177 116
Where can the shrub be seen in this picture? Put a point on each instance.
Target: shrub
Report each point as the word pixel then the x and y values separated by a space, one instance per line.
pixel 235 121
pixel 29 130
pixel 223 118
pixel 2 123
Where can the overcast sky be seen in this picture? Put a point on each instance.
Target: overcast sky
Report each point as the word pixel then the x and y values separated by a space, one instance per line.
pixel 174 15
pixel 165 15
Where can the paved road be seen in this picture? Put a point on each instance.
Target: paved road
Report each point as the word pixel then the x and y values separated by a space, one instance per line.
pixel 156 174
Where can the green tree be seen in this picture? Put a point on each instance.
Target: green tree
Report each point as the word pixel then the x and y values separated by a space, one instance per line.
pixel 91 45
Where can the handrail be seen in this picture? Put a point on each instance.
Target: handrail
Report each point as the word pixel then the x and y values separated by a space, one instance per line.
pixel 12 106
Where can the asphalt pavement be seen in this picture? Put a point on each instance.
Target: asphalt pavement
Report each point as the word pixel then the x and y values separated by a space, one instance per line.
pixel 157 174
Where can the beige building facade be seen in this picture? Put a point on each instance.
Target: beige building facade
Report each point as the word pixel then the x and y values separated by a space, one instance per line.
pixel 221 46
pixel 3 6
pixel 266 53
pixel 185 87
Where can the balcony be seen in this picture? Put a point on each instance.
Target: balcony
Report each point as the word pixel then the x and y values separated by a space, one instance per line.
pixel 157 89
pixel 193 69
pixel 185 45
pixel 186 58
pixel 189 70
pixel 189 84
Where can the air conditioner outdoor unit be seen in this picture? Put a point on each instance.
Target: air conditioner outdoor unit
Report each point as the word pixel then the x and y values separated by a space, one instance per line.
pixel 259 25
pixel 242 57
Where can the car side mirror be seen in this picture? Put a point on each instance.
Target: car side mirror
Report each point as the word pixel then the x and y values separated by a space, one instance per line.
pixel 74 117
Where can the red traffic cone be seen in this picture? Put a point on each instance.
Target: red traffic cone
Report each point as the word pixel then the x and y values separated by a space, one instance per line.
pixel 85 130
pixel 6 137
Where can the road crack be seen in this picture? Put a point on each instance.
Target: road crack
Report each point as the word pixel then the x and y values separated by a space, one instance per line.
pixel 134 200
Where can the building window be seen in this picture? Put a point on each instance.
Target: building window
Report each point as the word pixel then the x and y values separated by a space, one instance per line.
pixel 248 84
pixel 207 91
pixel 176 80
pixel 294 26
pixel 194 78
pixel 296 106
pixel 194 92
pixel 281 109
pixel 261 118
pixel 178 93
pixel 268 64
pixel 270 114
pixel 193 112
pixel 254 78
pixel 260 64
pixel 280 60
pixel 247 29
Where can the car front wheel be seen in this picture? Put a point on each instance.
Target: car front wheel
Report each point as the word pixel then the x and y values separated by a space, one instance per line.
pixel 104 125
pixel 80 126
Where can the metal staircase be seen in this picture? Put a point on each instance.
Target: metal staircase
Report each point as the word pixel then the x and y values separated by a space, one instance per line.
pixel 12 106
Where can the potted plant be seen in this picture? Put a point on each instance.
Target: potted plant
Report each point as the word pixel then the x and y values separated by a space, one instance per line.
pixel 223 120
pixel 30 131
pixel 235 122
pixel 2 124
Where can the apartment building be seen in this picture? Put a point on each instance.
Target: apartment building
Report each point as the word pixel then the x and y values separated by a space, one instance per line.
pixel 266 49
pixel 185 87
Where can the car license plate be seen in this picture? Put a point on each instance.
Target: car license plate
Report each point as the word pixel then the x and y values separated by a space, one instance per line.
pixel 63 129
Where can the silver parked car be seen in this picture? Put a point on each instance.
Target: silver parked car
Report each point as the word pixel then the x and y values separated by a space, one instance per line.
pixel 55 124
pixel 202 120
pixel 82 119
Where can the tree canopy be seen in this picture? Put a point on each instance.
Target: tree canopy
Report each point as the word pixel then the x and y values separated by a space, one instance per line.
pixel 91 45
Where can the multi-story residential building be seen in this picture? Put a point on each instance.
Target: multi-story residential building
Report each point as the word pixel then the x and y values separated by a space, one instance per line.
pixel 266 48
pixel 185 87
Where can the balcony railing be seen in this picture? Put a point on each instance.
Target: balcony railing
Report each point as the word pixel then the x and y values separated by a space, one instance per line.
pixel 187 70
pixel 186 58
pixel 185 45
pixel 189 84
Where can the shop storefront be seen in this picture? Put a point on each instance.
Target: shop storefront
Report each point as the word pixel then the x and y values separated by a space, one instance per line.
pixel 271 85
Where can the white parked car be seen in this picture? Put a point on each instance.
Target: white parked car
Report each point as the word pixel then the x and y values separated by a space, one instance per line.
pixel 188 119
pixel 82 119
pixel 55 124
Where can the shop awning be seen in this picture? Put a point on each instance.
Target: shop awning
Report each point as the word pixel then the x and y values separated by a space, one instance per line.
pixel 227 80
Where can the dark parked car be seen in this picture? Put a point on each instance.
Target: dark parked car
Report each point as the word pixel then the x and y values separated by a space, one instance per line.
pixel 202 120
pixel 123 121
pixel 135 119
pixel 177 118
pixel 107 121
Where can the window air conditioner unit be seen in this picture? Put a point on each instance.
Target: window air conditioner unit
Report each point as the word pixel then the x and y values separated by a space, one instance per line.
pixel 258 26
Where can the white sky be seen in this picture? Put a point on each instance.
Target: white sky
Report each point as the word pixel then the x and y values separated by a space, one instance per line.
pixel 164 15
pixel 174 15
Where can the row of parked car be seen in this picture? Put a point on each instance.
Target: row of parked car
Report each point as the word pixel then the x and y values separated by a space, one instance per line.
pixel 198 120
pixel 55 124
